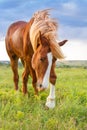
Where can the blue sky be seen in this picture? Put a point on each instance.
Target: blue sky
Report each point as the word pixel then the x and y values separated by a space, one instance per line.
pixel 70 14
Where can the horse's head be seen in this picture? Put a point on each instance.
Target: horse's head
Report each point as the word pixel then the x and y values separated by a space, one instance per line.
pixel 43 34
pixel 42 61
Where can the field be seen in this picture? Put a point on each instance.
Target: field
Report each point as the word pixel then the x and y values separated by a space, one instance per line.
pixel 19 112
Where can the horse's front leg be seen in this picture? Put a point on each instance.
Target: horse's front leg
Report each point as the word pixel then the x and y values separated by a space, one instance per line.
pixel 29 70
pixel 34 79
pixel 50 103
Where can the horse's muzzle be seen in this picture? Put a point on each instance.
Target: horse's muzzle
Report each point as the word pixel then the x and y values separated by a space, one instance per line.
pixel 40 87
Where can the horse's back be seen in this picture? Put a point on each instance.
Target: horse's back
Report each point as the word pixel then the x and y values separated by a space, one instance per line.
pixel 14 38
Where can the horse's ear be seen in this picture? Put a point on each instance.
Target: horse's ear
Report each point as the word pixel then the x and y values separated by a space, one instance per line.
pixel 62 42
pixel 56 50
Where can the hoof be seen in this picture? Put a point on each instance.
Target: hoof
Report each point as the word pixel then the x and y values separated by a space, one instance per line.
pixel 50 103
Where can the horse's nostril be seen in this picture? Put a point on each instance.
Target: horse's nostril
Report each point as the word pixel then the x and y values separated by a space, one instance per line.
pixel 40 85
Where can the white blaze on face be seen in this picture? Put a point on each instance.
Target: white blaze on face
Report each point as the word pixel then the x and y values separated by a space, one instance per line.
pixel 45 82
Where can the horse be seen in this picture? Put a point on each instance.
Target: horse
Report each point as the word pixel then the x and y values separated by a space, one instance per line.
pixel 35 44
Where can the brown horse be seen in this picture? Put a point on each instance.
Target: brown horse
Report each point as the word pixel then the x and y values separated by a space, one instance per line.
pixel 34 42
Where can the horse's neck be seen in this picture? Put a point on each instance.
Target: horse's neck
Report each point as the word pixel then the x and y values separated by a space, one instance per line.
pixel 27 30
pixel 26 39
pixel 28 26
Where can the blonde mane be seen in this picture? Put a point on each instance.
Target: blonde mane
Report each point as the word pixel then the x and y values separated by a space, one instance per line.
pixel 48 28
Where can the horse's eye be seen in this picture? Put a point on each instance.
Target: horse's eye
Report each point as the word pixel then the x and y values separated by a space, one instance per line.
pixel 42 59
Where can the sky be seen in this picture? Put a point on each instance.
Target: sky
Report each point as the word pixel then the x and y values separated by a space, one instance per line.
pixel 71 16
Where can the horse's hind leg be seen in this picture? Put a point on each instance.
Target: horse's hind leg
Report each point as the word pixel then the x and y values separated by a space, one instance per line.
pixel 25 77
pixel 14 66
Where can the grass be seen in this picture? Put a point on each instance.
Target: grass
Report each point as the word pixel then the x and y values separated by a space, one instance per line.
pixel 19 112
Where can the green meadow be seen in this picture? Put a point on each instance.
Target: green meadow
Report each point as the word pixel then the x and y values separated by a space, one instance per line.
pixel 19 112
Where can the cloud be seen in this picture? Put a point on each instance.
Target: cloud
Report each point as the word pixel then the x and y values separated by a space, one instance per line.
pixel 71 15
pixel 75 50
pixel 69 8
pixel 3 53
pixel 72 33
